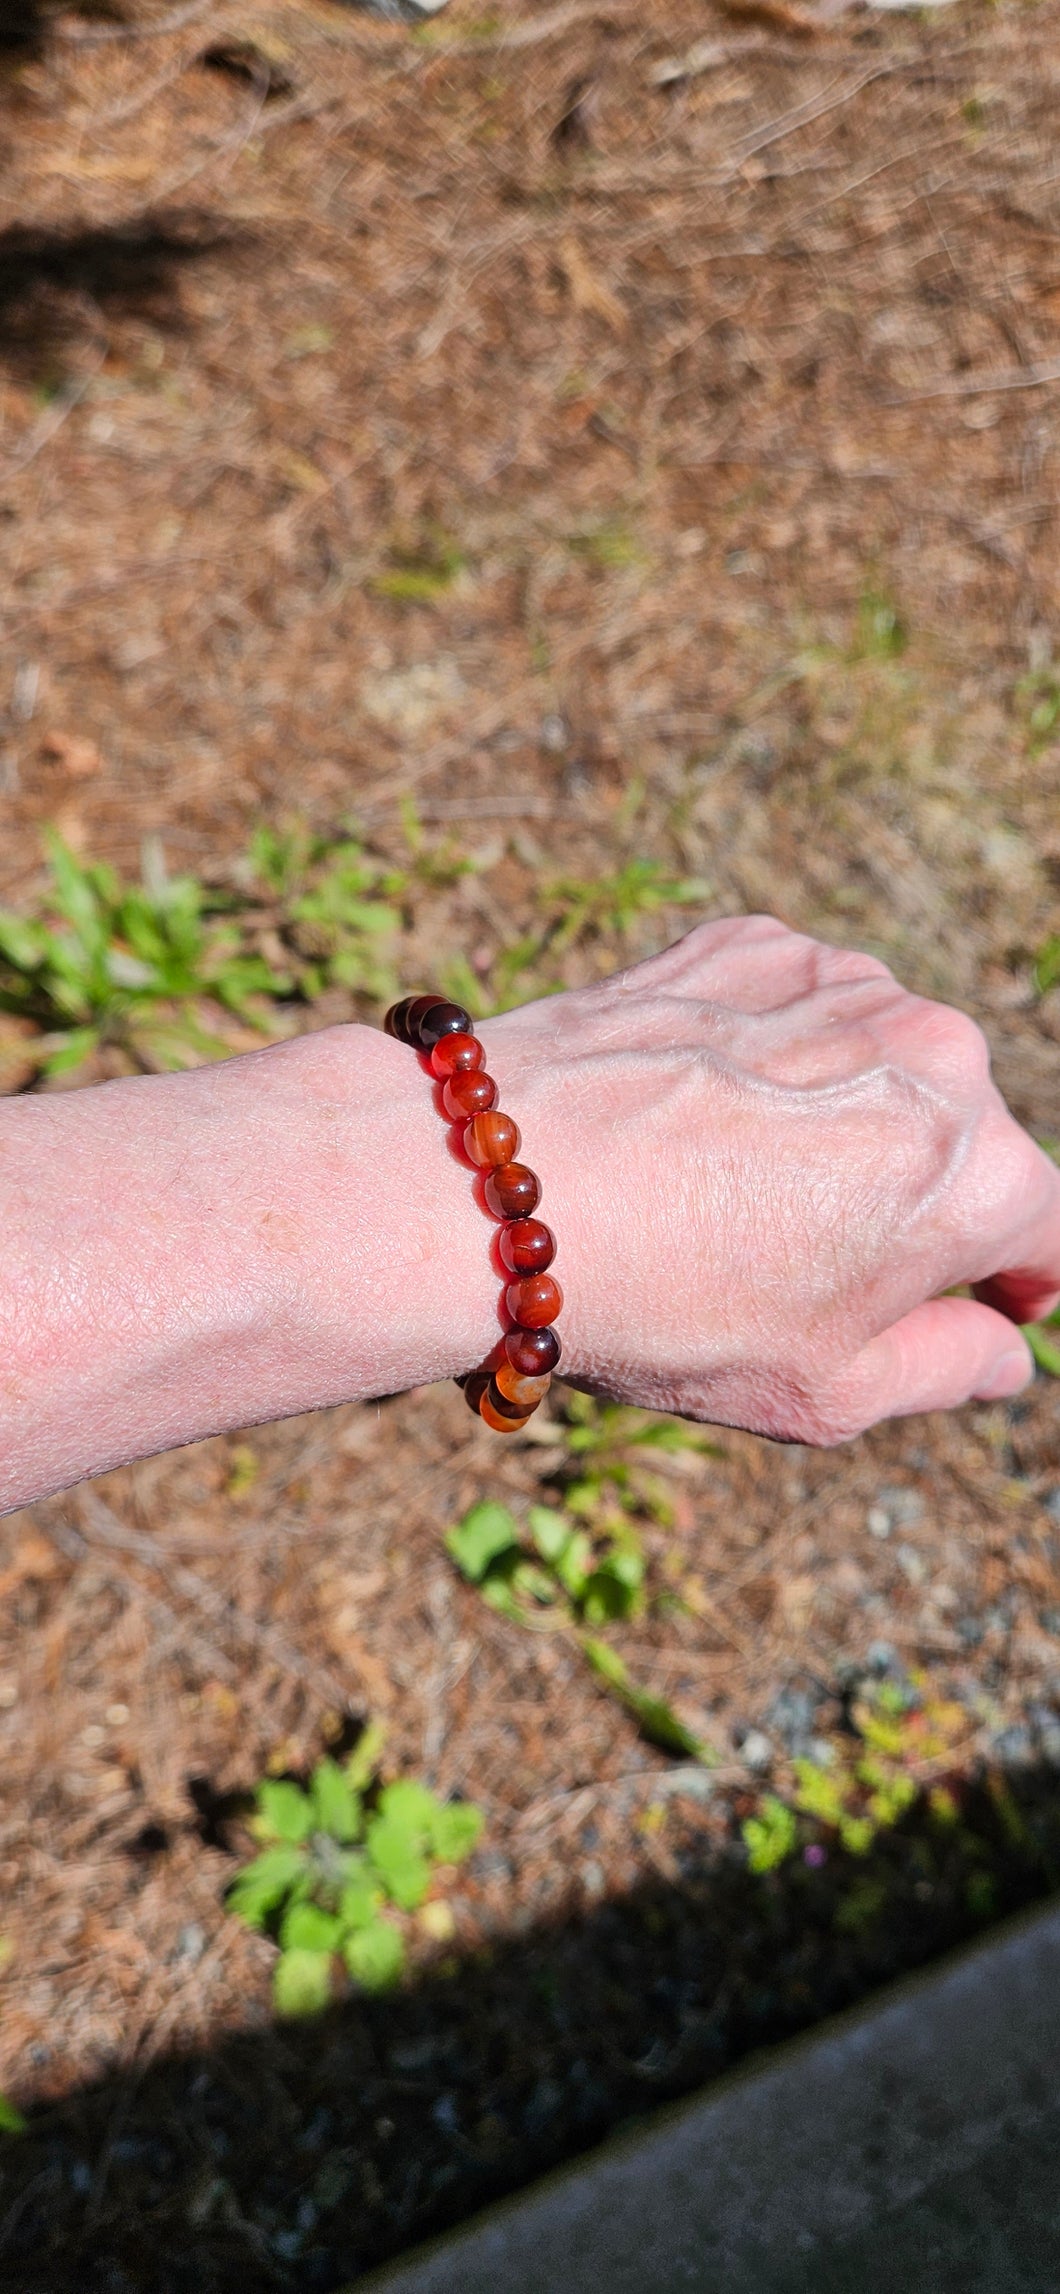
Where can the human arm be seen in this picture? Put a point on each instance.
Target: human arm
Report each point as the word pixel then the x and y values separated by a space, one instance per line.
pixel 764 1161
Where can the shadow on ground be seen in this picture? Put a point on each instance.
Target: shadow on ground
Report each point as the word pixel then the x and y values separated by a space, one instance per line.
pixel 296 2156
pixel 60 287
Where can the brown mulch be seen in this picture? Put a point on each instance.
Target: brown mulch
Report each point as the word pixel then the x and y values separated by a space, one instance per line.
pixel 735 399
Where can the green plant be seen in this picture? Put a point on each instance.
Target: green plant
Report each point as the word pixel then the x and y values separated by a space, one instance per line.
pixel 116 963
pixel 867 1785
pixel 1045 1350
pixel 1039 697
pixel 771 1836
pixel 1047 964
pixel 339 1858
pixel 608 1446
pixel 559 1577
pixel 422 571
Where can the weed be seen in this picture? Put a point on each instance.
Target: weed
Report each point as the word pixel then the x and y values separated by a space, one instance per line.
pixel 607 546
pixel 420 573
pixel 339 1858
pixel 1038 696
pixel 881 633
pixel 1047 964
pixel 867 1787
pixel 1046 1351
pixel 557 1576
pixel 118 963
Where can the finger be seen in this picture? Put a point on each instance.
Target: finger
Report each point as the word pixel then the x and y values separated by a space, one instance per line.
pixel 948 1351
pixel 1026 1283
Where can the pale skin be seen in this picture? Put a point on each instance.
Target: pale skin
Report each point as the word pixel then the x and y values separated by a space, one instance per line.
pixel 764 1160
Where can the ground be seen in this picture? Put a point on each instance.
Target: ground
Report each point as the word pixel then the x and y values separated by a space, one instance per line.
pixel 587 436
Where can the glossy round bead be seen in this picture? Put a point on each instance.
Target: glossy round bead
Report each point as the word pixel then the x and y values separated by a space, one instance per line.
pixel 504 1408
pixel 527 1246
pixel 491 1138
pixel 396 1018
pixel 468 1094
pixel 514 1386
pixel 512 1191
pixel 457 1055
pixel 475 1385
pixel 492 1417
pixel 534 1301
pixel 443 1019
pixel 416 1009
pixel 532 1352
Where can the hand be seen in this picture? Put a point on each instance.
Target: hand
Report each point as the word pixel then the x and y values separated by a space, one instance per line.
pixel 765 1162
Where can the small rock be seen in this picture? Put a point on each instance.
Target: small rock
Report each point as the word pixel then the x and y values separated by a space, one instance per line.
pixel 878 1521
pixel 880 1656
pixel 912 1564
pixel 757 1750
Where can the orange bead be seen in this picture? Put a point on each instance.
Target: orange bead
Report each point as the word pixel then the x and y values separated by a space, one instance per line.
pixel 535 1301
pixel 468 1094
pixel 515 1387
pixel 456 1055
pixel 491 1139
pixel 492 1417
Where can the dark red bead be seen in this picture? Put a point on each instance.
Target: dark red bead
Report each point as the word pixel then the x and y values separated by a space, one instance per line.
pixel 442 1019
pixel 527 1246
pixel 512 1191
pixel 416 1009
pixel 475 1385
pixel 396 1018
pixel 457 1055
pixel 468 1094
pixel 532 1351
pixel 534 1301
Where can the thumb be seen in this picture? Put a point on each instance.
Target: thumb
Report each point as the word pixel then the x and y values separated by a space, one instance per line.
pixel 948 1351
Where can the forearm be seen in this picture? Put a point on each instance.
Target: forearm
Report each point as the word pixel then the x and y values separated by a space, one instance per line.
pixel 190 1253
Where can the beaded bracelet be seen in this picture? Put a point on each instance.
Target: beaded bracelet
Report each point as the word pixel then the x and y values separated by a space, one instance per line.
pixel 507 1391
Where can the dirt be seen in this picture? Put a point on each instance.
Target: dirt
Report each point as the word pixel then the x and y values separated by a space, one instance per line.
pixel 717 422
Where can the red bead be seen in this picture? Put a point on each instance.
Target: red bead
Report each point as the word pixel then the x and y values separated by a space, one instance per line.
pixel 456 1055
pixel 468 1094
pixel 527 1246
pixel 491 1138
pixel 512 1191
pixel 532 1352
pixel 535 1301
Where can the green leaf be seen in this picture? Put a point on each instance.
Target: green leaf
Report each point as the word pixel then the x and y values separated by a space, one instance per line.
pixel 1046 1355
pixel 771 1836
pixel 360 1900
pixel 607 1597
pixel 362 1762
pixel 574 1565
pixel 487 1531
pixel 301 1982
pixel 336 1806
pixel 403 1870
pixel 11 2119
pixel 262 1885
pixel 551 1532
pixel 656 1719
pixel 307 1927
pixel 285 1812
pixel 409 1807
pixel 457 1826
pixel 375 1956
pixel 72 1049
